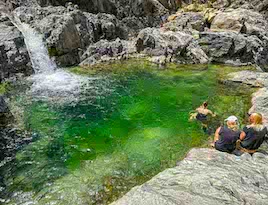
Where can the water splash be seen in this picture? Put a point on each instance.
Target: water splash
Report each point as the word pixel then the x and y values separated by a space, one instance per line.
pixel 37 50
pixel 48 82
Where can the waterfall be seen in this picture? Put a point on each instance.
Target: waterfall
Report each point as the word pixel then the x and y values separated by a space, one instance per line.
pixel 49 82
pixel 37 50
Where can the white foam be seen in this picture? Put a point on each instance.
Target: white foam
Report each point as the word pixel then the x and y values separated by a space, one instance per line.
pixel 49 82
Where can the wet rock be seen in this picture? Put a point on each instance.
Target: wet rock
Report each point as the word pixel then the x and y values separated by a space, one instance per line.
pixel 206 176
pixel 177 46
pixel 14 57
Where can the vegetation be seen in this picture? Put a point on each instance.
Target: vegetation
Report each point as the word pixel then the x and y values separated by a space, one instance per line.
pixel 3 88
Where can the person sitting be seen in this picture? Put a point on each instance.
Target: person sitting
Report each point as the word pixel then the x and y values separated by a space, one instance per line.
pixel 226 136
pixel 202 115
pixel 252 135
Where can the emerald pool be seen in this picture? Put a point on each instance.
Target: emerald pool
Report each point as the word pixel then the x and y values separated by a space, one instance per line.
pixel 128 124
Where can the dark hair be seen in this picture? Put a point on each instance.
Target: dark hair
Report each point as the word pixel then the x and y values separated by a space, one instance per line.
pixel 205 104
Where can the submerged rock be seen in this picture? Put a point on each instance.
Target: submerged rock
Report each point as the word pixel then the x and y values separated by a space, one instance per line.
pixel 206 176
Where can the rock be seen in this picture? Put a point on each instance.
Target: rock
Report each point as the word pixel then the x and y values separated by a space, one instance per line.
pixel 205 176
pixel 262 59
pixel 122 8
pixel 241 21
pixel 225 47
pixel 14 57
pixel 260 98
pixel 3 106
pixel 107 51
pixel 5 115
pixel 187 22
pixel 69 33
pixel 177 46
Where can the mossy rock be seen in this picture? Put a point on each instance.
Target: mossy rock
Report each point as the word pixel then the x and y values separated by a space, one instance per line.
pixel 3 88
pixel 52 51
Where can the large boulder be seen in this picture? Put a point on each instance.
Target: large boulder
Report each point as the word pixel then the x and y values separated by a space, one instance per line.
pixel 104 50
pixel 176 46
pixel 14 57
pixel 206 177
pixel 241 21
pixel 230 47
pixel 187 22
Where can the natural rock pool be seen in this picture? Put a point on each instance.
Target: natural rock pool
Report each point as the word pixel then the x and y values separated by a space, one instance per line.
pixel 122 128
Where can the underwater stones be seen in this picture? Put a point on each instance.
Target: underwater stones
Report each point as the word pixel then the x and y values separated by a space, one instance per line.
pixel 179 47
pixel 205 176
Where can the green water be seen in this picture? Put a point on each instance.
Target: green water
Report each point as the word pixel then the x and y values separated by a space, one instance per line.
pixel 94 151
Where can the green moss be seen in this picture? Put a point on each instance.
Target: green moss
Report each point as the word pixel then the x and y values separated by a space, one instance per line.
pixel 3 88
pixel 52 51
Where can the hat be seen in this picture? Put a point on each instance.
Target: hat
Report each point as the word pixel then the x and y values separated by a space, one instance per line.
pixel 231 118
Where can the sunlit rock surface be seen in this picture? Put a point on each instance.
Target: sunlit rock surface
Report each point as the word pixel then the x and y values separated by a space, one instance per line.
pixel 206 176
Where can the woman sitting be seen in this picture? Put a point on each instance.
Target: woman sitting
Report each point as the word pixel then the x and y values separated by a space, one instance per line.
pixel 252 135
pixel 226 136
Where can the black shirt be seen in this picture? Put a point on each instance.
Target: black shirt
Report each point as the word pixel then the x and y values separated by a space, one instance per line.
pixel 227 139
pixel 254 138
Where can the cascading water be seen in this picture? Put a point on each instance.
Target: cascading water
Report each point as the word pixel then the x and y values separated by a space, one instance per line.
pixel 49 82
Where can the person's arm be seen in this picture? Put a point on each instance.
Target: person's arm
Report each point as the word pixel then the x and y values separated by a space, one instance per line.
pixel 212 114
pixel 242 135
pixel 217 134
